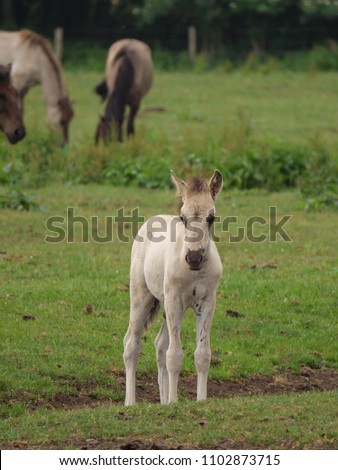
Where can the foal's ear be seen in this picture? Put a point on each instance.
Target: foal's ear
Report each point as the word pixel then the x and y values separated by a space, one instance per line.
pixel 215 184
pixel 181 185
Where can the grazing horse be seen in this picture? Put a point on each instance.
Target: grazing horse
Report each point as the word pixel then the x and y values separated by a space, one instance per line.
pixel 128 77
pixel 175 262
pixel 33 62
pixel 10 114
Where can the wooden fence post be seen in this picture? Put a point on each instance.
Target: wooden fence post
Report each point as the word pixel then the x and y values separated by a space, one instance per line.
pixel 58 43
pixel 192 43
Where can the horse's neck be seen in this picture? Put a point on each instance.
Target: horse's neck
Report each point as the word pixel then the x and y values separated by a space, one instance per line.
pixel 51 81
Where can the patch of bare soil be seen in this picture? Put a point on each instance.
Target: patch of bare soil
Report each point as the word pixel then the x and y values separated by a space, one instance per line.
pixel 308 380
pixel 286 382
pixel 125 443
pixel 140 444
pixel 147 388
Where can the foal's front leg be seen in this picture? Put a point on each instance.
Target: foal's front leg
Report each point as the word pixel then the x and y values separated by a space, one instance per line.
pixel 174 313
pixel 161 344
pixel 204 315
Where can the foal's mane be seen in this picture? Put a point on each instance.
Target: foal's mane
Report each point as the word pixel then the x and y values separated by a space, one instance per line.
pixel 197 185
pixel 35 40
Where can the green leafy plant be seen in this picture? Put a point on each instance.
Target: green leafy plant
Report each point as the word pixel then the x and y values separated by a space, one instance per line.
pixel 16 200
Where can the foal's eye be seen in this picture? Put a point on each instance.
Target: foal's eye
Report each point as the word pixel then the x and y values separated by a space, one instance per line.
pixel 210 219
pixel 183 219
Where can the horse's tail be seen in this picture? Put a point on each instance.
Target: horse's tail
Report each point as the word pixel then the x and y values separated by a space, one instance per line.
pixel 123 84
pixel 152 313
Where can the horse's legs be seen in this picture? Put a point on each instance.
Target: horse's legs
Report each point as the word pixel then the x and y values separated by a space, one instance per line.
pixel 117 128
pixel 119 124
pixel 131 118
pixel 161 344
pixel 203 352
pixel 174 356
pixel 142 307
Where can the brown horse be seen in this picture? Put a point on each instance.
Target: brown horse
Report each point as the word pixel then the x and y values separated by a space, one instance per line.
pixel 33 62
pixel 10 114
pixel 128 77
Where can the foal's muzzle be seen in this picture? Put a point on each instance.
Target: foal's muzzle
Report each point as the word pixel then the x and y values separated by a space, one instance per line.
pixel 195 259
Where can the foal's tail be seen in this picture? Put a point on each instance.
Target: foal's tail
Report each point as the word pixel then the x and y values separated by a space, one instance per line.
pixel 152 313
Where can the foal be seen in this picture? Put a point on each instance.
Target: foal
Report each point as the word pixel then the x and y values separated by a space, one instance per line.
pixel 175 262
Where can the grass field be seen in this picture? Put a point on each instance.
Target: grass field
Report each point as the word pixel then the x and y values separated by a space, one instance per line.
pixel 65 306
pixel 268 131
pixel 295 106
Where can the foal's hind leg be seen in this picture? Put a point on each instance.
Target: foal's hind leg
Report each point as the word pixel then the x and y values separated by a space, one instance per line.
pixel 161 344
pixel 143 308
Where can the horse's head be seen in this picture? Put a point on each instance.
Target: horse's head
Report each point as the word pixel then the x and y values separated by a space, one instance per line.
pixel 197 213
pixel 11 122
pixel 60 114
pixel 66 114
pixel 104 129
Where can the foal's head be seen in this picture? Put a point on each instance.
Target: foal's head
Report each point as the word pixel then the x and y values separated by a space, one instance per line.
pixel 197 213
pixel 10 113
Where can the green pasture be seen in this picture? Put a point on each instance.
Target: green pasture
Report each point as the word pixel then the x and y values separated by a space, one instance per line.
pixel 64 306
pixel 199 109
pixel 269 131
pixel 289 316
pixel 294 106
